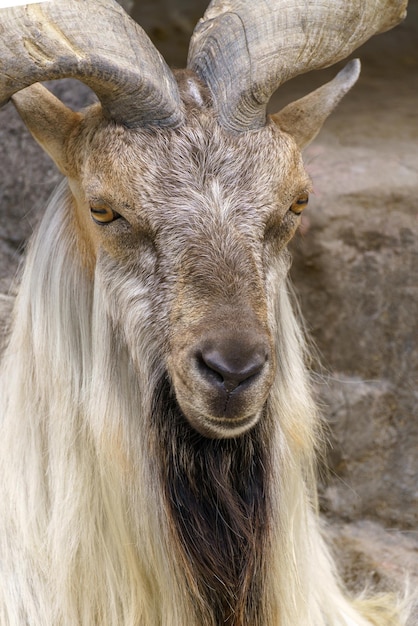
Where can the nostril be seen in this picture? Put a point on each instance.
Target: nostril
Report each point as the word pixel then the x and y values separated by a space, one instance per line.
pixel 231 366
pixel 208 368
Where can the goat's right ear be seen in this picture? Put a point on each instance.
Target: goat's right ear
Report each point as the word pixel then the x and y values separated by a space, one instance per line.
pixel 49 121
pixel 304 118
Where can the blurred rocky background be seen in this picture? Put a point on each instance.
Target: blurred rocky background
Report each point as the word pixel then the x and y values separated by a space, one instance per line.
pixel 355 270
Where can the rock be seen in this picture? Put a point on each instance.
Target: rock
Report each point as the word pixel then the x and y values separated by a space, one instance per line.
pixel 170 25
pixel 372 453
pixel 385 560
pixel 27 178
pixel 355 267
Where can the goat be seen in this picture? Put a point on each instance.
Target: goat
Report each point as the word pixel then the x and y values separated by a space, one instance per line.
pixel 158 430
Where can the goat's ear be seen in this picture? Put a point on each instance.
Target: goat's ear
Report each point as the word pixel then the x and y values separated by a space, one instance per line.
pixel 304 118
pixel 49 121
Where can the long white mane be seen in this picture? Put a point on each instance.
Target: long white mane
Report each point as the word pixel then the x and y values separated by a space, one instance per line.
pixel 84 530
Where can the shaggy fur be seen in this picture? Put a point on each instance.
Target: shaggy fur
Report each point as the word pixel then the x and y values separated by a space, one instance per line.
pixel 115 510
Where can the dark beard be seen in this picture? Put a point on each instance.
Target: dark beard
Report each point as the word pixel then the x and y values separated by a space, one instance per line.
pixel 216 501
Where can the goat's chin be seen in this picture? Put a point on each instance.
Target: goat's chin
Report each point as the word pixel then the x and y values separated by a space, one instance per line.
pixel 222 429
pixel 216 427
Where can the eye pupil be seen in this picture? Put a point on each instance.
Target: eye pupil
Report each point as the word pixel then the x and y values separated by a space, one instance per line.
pixel 103 214
pixel 300 204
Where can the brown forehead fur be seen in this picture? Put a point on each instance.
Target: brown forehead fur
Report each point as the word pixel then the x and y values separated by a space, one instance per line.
pixel 188 180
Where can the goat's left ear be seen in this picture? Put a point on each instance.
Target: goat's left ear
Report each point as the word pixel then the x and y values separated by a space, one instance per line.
pixel 49 121
pixel 304 118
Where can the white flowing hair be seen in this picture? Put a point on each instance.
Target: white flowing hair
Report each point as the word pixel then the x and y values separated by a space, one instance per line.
pixel 84 535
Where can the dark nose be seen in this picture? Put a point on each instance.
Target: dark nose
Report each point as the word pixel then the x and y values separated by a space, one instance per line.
pixel 232 362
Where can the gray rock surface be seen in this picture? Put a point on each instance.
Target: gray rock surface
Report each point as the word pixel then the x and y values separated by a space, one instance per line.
pixel 382 560
pixel 356 271
pixel 27 178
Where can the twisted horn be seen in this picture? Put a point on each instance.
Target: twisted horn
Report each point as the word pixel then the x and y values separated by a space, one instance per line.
pixel 97 43
pixel 245 49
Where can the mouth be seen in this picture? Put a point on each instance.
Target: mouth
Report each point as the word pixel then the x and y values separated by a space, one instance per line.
pixel 218 427
pixel 188 417
pixel 217 416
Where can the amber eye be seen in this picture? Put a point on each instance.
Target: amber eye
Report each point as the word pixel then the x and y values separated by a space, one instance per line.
pixel 103 213
pixel 300 204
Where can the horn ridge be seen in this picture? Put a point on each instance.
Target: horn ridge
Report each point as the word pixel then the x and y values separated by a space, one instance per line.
pixel 244 50
pixel 97 43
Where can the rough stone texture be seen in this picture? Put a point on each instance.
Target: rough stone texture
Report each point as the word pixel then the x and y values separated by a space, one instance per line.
pixel 383 561
pixel 375 555
pixel 170 24
pixel 27 178
pixel 356 271
pixel 354 268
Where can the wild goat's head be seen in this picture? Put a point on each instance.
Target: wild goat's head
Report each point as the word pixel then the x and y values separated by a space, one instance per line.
pixel 185 192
